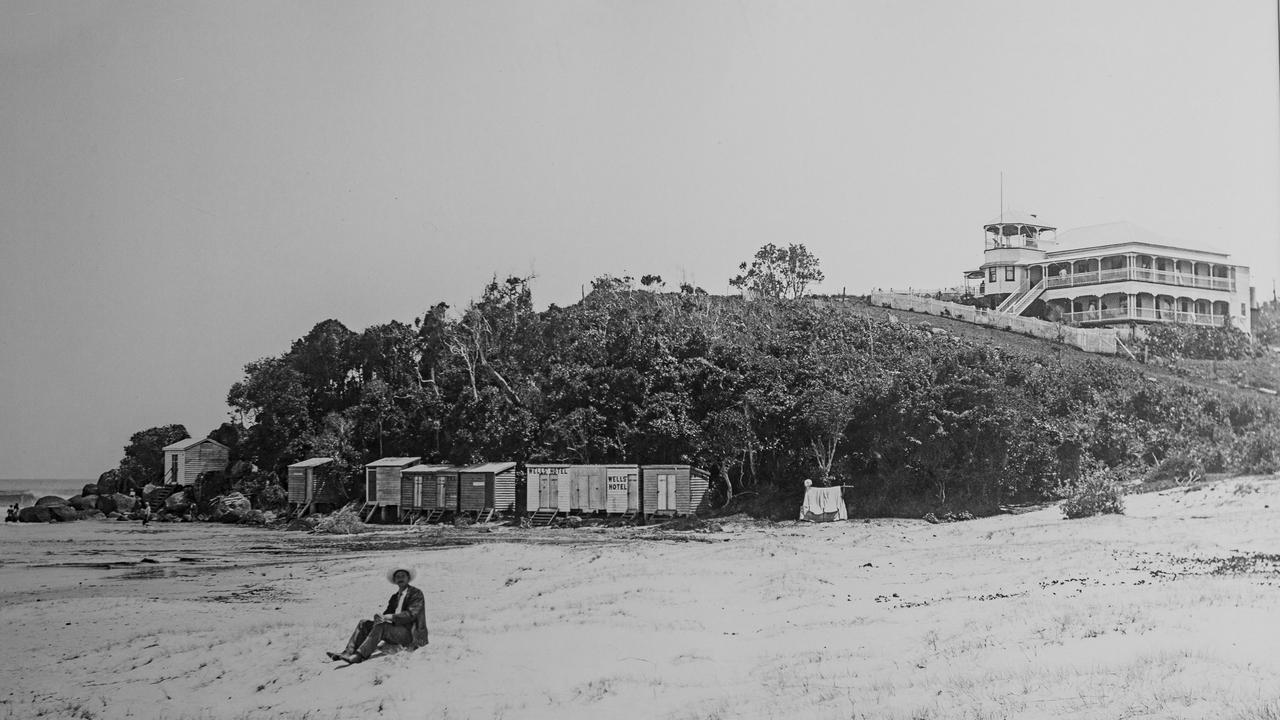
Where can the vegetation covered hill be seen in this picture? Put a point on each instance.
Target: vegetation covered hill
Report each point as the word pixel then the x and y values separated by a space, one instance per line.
pixel 763 392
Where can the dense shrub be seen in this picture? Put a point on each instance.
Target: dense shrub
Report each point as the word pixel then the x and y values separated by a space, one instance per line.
pixel 1182 468
pixel 1097 493
pixel 1197 342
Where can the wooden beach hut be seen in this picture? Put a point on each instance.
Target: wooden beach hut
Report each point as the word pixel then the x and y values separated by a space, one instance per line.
pixel 547 487
pixel 672 489
pixel 622 489
pixel 426 490
pixel 186 459
pixel 314 485
pixel 487 488
pixel 382 485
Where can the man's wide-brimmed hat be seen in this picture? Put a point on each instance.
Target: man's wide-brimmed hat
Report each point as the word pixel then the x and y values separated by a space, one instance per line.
pixel 391 574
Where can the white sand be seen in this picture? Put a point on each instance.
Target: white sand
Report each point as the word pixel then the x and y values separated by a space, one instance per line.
pixel 1024 616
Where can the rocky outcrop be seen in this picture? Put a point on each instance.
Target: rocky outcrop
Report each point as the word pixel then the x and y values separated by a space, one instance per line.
pixel 51 501
pixel 233 503
pixel 64 513
pixel 90 489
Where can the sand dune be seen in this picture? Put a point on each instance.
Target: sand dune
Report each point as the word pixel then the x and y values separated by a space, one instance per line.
pixel 1167 611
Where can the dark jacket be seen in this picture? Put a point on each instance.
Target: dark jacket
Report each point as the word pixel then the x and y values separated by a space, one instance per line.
pixel 413 615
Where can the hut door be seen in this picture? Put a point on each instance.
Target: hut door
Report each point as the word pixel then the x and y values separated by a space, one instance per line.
pixel 547 491
pixel 439 491
pixel 666 492
pixel 577 491
pixel 370 486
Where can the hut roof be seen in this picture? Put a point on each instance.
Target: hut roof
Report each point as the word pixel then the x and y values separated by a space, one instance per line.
pixel 312 462
pixel 192 442
pixel 393 462
pixel 495 467
pixel 428 468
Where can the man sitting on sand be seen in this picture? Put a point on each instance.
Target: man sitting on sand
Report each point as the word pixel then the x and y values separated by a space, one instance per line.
pixel 403 623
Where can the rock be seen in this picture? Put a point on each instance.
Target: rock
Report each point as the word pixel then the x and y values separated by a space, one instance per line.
pixel 125 503
pixel 35 513
pixel 92 515
pixel 231 503
pixel 107 503
pixel 64 513
pixel 252 517
pixel 965 515
pixel 113 515
pixel 108 482
pixel 268 517
pixel 230 517
pixel 177 503
pixel 52 501
pixel 931 518
pixel 84 502
pixel 90 489
pixel 573 521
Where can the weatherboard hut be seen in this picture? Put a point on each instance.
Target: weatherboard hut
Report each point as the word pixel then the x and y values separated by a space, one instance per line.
pixel 673 489
pixel 428 488
pixel 314 484
pixel 186 459
pixel 487 486
pixel 382 484
pixel 543 486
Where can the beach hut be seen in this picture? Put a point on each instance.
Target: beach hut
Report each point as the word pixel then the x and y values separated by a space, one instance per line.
pixel 382 485
pixel 673 489
pixel 314 483
pixel 543 487
pixel 186 459
pixel 430 490
pixel 486 488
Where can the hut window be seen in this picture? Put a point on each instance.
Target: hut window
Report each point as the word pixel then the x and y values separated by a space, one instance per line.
pixel 1010 273
pixel 991 274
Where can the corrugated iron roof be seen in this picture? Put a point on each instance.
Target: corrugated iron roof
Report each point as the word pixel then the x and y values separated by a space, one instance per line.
pixel 493 467
pixel 187 443
pixel 393 462
pixel 312 462
pixel 427 468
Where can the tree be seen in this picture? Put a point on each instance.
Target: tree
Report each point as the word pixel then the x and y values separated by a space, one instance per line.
pixel 143 460
pixel 779 273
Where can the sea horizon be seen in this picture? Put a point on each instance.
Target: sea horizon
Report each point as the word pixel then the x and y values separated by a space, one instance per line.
pixel 25 491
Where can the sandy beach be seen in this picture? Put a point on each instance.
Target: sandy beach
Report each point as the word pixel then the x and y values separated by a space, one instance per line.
pixel 1167 611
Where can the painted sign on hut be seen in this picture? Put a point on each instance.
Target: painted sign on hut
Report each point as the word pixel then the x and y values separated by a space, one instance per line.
pixel 186 459
pixel 673 489
pixel 487 486
pixel 314 484
pixel 382 480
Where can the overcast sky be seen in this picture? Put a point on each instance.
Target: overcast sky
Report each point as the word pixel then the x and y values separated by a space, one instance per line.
pixel 186 187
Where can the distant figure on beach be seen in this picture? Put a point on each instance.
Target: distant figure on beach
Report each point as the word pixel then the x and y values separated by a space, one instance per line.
pixel 403 623
pixel 145 510
pixel 11 513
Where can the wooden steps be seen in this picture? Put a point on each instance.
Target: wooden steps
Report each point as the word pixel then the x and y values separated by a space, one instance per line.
pixel 434 515
pixel 485 515
pixel 543 517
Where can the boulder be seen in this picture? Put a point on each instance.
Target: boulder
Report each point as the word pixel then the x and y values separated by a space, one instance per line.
pixel 124 503
pixel 84 502
pixel 230 503
pixel 107 504
pixel 113 515
pixel 92 515
pixel 35 513
pixel 230 517
pixel 90 489
pixel 177 503
pixel 108 482
pixel 64 513
pixel 52 501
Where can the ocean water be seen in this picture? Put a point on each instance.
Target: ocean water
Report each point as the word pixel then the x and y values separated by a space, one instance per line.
pixel 26 491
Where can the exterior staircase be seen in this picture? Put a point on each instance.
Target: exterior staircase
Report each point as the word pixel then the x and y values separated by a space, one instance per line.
pixel 1022 299
pixel 543 517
